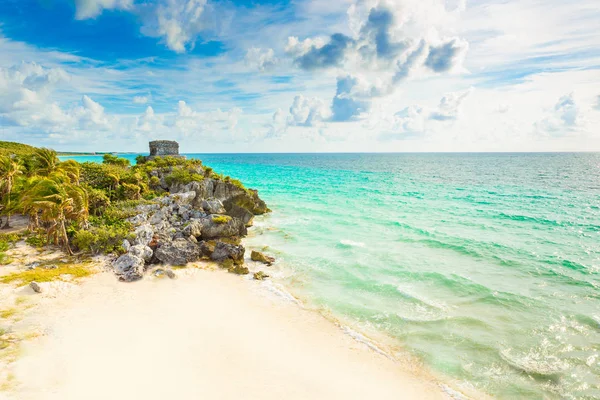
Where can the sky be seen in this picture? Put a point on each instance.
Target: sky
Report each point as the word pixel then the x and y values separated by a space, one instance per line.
pixel 301 75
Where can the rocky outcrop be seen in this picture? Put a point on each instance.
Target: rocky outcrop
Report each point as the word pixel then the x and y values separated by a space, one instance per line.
pixel 129 268
pixel 202 219
pixel 178 252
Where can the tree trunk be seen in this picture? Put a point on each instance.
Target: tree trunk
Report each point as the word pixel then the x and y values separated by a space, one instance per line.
pixel 8 193
pixel 65 238
pixel 7 223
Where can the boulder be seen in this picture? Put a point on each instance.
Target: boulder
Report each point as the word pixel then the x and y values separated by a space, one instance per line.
pixel 126 245
pixel 143 234
pixel 141 251
pixel 138 220
pixel 186 198
pixel 216 226
pixel 260 276
pixel 129 268
pixel 35 287
pixel 238 270
pixel 178 252
pixel 241 213
pixel 223 251
pixel 213 206
pixel 260 257
pixel 193 228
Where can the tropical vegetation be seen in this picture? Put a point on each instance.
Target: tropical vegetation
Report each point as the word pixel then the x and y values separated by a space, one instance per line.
pixel 84 206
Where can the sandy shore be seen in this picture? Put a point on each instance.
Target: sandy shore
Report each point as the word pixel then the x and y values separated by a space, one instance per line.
pixel 209 335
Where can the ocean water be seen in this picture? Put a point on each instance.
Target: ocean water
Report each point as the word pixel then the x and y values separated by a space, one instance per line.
pixel 484 266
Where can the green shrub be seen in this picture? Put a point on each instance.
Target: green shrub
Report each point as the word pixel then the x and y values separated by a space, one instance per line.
pixel 131 191
pixel 4 246
pixel 98 201
pixel 114 160
pixel 10 237
pixel 154 182
pixel 102 239
pixel 37 240
pixel 183 176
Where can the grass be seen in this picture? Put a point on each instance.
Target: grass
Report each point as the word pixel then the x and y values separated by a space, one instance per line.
pixel 9 312
pixel 46 275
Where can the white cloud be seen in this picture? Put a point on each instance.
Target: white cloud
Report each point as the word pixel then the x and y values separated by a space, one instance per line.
pixel 92 8
pixel 308 111
pixel 141 99
pixel 449 107
pixel 597 105
pixel 563 118
pixel 177 22
pixel 260 59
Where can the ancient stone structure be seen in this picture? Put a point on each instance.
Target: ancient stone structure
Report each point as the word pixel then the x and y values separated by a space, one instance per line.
pixel 164 148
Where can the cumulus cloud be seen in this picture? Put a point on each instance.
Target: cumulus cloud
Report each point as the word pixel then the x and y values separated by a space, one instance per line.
pixel 376 39
pixel 85 9
pixel 408 122
pixel 260 59
pixel 564 117
pixel 353 97
pixel 178 23
pixel 308 111
pixel 141 99
pixel 383 52
pixel 149 121
pixel 447 56
pixel 189 121
pixel 449 107
pixel 313 54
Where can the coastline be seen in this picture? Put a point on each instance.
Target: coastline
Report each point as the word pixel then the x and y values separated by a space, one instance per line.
pixel 207 333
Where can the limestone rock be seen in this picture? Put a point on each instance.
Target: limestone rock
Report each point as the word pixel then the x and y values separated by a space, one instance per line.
pixel 260 257
pixel 260 276
pixel 223 251
pixel 193 228
pixel 213 206
pixel 143 234
pixel 126 245
pixel 35 287
pixel 141 251
pixel 129 268
pixel 238 270
pixel 178 252
pixel 185 198
pixel 216 226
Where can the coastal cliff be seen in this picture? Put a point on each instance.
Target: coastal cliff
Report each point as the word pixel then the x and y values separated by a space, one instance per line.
pixel 165 210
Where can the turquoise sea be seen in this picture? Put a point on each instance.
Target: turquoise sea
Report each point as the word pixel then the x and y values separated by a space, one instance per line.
pixel 484 266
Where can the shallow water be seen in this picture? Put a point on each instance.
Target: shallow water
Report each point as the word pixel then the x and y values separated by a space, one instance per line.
pixel 485 266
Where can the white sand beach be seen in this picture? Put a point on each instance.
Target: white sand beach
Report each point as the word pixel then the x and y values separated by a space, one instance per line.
pixel 205 335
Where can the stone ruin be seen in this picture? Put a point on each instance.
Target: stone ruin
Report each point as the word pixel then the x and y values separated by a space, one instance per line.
pixel 159 148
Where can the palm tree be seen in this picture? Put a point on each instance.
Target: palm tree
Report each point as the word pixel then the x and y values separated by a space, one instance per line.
pixel 46 162
pixel 59 202
pixel 10 168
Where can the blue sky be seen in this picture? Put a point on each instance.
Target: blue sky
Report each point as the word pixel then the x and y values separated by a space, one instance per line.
pixel 304 75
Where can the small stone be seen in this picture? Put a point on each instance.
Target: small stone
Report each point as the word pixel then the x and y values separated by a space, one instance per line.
pixel 170 274
pixel 238 270
pixel 260 257
pixel 126 245
pixel 51 266
pixel 36 287
pixel 159 273
pixel 260 276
